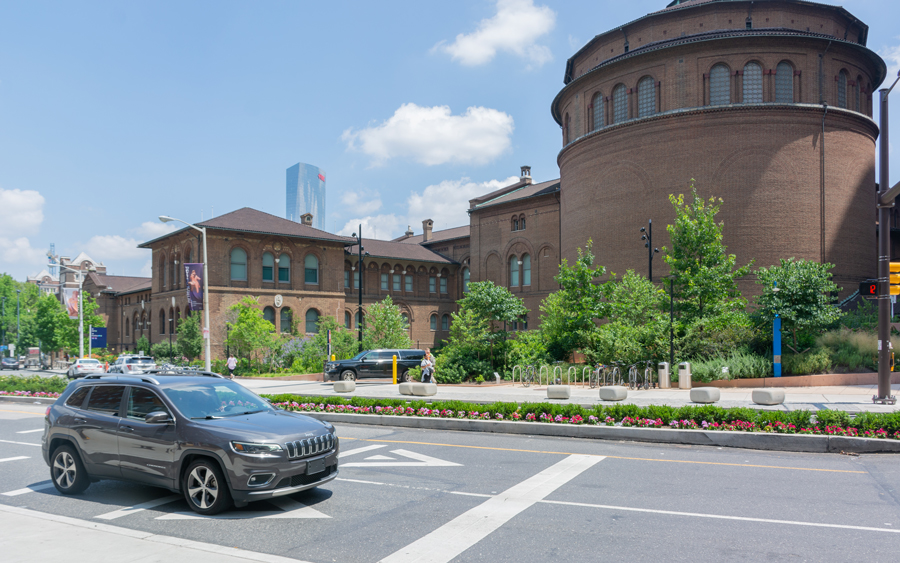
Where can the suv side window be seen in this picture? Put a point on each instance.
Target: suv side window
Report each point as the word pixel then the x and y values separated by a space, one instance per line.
pixel 77 398
pixel 106 399
pixel 142 402
pixel 412 354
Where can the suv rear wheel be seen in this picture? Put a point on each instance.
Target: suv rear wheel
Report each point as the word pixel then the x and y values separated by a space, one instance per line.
pixel 205 488
pixel 67 471
pixel 404 377
pixel 348 375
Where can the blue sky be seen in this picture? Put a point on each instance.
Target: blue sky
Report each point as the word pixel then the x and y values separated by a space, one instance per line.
pixel 113 113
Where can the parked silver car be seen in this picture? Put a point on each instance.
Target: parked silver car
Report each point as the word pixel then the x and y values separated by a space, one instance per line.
pixel 132 364
pixel 85 366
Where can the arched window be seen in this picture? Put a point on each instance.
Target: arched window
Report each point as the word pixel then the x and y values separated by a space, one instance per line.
pixel 857 90
pixel 466 277
pixel 162 321
pixel 784 83
pixel 171 321
pixel 526 269
pixel 360 319
pixel 284 269
pixel 753 84
pixel 646 97
pixel 719 93
pixel 269 315
pixel 177 317
pixel 842 89
pixel 127 327
pixel 597 113
pixel 522 223
pixel 445 322
pixel 513 271
pixel 433 322
pixel 515 224
pixel 174 272
pixel 311 269
pixel 287 320
pixel 620 104
pixel 347 319
pixel 405 318
pixel 567 130
pixel 312 321
pixel 162 271
pixel 268 267
pixel 238 264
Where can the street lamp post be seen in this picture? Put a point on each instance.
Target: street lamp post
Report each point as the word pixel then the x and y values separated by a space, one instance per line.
pixel 80 280
pixel 18 337
pixel 359 264
pixel 648 236
pixel 171 327
pixel 3 322
pixel 207 362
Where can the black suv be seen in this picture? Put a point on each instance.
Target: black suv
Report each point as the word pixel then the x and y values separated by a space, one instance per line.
pixel 201 434
pixel 375 363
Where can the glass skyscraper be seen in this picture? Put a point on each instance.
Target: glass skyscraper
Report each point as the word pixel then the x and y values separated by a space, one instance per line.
pixel 306 193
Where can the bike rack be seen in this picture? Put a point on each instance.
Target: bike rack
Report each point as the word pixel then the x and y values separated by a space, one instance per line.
pixel 555 370
pixel 573 370
pixel 541 375
pixel 521 369
pixel 589 371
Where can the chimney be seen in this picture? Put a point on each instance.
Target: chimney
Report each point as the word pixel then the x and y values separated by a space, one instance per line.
pixel 306 219
pixel 409 231
pixel 426 229
pixel 526 175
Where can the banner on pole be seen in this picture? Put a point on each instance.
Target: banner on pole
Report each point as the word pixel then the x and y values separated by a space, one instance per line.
pixel 193 274
pixel 98 337
pixel 71 296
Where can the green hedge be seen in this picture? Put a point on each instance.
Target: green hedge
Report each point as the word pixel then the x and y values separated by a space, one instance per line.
pixel 33 383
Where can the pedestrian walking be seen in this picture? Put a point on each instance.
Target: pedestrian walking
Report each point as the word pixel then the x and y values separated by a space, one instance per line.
pixel 232 364
pixel 427 366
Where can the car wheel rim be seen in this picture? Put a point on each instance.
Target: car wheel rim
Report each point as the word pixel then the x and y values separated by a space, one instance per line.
pixel 64 471
pixel 203 489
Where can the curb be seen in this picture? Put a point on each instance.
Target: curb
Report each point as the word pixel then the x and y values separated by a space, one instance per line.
pixel 748 440
pixel 28 400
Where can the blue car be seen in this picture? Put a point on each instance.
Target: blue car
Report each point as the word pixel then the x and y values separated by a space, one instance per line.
pixel 9 363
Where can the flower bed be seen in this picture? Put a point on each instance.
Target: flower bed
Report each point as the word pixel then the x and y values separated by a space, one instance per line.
pixel 832 423
pixel 44 394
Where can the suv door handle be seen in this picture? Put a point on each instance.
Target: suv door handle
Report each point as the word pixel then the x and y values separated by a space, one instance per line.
pixel 127 429
pixel 80 420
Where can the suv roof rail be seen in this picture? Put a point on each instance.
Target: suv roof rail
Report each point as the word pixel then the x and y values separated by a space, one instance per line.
pixel 187 373
pixel 123 378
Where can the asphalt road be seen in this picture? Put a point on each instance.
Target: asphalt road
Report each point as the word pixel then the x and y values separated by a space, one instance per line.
pixel 419 495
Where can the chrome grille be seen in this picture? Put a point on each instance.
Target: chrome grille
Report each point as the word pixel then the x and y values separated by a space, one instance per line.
pixel 310 446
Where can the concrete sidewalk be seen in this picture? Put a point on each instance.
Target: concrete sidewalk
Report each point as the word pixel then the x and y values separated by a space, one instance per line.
pixel 29 536
pixel 850 398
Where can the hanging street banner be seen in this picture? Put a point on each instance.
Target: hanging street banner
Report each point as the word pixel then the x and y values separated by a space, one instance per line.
pixel 98 337
pixel 71 303
pixel 193 274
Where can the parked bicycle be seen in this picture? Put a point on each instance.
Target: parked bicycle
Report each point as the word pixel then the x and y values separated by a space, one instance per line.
pixel 648 375
pixel 528 376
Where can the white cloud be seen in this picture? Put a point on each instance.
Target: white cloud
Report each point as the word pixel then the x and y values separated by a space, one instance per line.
pixel 515 28
pixel 891 56
pixel 114 247
pixel 23 212
pixel 383 227
pixel 20 254
pixel 150 230
pixel 446 203
pixel 431 135
pixel 360 202
pixel 147 269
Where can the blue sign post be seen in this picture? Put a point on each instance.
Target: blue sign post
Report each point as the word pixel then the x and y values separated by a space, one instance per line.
pixel 98 337
pixel 776 345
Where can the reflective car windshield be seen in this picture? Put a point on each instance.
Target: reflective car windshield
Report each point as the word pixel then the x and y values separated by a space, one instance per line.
pixel 213 399
pixel 89 362
pixel 360 355
pixel 139 360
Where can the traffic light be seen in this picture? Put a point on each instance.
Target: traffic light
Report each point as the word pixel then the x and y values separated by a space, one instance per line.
pixel 895 278
pixel 868 288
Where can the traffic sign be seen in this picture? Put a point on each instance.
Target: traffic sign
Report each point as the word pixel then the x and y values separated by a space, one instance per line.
pixel 98 337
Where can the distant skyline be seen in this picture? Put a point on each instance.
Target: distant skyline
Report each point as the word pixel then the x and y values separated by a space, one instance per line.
pixel 305 191
pixel 113 113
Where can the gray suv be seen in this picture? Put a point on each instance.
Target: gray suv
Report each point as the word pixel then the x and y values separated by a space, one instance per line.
pixel 202 435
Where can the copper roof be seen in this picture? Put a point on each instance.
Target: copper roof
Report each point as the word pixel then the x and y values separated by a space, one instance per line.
pixel 250 220
pixel 437 236
pixel 398 251
pixel 526 191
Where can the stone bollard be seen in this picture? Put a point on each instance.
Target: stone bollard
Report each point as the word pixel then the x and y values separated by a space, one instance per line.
pixel 768 396
pixel 705 395
pixel 344 386
pixel 423 389
pixel 613 393
pixel 558 392
pixel 406 388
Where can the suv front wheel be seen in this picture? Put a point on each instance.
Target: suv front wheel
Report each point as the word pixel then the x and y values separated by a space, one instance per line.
pixel 205 488
pixel 404 377
pixel 67 471
pixel 348 375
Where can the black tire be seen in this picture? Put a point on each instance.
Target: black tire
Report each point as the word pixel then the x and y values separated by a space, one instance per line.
pixel 205 489
pixel 67 472
pixel 348 375
pixel 403 377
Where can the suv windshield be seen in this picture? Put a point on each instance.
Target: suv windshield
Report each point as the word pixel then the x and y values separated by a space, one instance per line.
pixel 360 355
pixel 139 361
pixel 88 362
pixel 213 399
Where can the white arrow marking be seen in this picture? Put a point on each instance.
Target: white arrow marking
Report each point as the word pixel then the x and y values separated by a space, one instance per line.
pixel 373 458
pixel 29 431
pixel 423 461
pixel 289 509
pixel 138 507
pixel 345 453
pixel 29 489
pixel 14 458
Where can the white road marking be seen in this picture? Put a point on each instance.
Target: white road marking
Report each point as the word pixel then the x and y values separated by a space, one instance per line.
pixel 290 509
pixel 422 461
pixel 14 458
pixel 345 453
pixel 471 494
pixel 723 517
pixel 380 458
pixel 467 529
pixel 93 531
pixel 360 481
pixel 29 431
pixel 138 507
pixel 29 489
pixel 20 443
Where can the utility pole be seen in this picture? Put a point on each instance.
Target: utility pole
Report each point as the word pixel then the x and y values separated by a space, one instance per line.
pixel 648 237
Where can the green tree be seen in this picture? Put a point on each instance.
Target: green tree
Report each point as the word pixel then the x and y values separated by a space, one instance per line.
pixel 569 316
pixel 249 332
pixel 802 298
pixel 635 301
pixel 703 273
pixel 50 321
pixel 307 355
pixel 385 327
pixel 466 351
pixel 190 337
pixel 69 330
pixel 142 344
pixel 496 305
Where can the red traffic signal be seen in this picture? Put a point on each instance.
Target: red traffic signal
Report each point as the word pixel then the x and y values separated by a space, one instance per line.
pixel 868 288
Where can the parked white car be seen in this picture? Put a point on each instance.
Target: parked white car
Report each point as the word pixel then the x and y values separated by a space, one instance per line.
pixel 85 366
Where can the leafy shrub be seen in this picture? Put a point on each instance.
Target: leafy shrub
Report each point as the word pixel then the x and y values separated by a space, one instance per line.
pixel 741 364
pixel 815 361
pixel 864 317
pixel 716 337
pixel 33 383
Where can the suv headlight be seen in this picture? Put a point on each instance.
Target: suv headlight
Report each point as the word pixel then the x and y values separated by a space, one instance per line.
pixel 255 449
pixel 330 366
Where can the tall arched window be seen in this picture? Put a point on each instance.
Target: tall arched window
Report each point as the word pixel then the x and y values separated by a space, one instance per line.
pixel 719 92
pixel 174 272
pixel 287 320
pixel 347 319
pixel 311 269
pixel 466 277
pixel 312 321
pixel 238 264
pixel 405 318
pixel 433 322
pixel 513 271
pixel 857 91
pixel 522 223
pixel 753 84
pixel 599 117
pixel 164 271
pixel 284 269
pixel 784 83
pixel 269 315
pixel 526 269
pixel 127 327
pixel 567 130
pixel 268 267
pixel 842 89
pixel 162 321
pixel 360 319
pixel 620 104
pixel 445 322
pixel 646 97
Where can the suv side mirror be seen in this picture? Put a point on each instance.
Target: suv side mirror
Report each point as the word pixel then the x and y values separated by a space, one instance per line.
pixel 158 417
